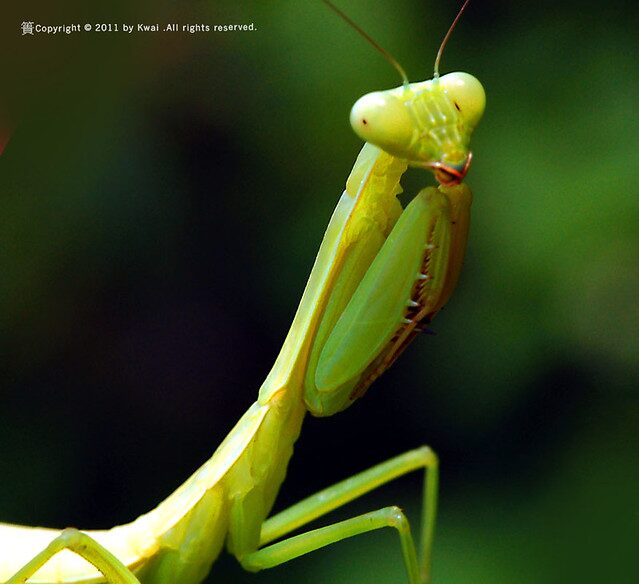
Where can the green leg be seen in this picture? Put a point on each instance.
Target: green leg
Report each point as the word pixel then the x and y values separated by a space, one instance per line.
pixel 299 545
pixel 344 492
pixel 86 547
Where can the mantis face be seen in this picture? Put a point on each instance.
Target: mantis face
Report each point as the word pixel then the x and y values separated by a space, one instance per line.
pixel 428 124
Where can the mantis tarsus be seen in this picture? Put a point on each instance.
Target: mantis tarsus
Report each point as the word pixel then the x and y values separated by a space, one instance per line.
pixel 380 275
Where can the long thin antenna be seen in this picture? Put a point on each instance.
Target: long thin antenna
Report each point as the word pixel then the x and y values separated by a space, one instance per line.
pixel 450 31
pixel 370 39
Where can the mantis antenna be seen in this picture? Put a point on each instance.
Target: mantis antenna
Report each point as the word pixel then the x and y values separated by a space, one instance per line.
pixel 392 60
pixel 450 31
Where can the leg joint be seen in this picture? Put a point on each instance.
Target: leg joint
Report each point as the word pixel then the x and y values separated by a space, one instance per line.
pixel 397 519
pixel 427 455
pixel 70 536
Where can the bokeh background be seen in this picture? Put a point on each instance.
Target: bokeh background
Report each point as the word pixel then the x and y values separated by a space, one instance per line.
pixel 162 197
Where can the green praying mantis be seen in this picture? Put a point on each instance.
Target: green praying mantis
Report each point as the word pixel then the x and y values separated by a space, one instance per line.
pixel 381 274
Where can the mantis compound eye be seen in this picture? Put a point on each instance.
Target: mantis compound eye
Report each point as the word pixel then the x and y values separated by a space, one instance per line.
pixel 467 95
pixel 383 120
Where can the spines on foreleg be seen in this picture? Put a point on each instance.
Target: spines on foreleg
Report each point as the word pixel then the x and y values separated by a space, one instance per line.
pixel 434 284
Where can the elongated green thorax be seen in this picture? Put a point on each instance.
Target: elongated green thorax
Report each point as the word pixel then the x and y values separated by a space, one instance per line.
pixel 363 218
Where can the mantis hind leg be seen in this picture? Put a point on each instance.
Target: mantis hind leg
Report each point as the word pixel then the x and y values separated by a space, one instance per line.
pixel 317 505
pixel 86 547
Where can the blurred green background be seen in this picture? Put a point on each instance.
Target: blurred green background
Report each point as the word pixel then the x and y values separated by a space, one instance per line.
pixel 162 197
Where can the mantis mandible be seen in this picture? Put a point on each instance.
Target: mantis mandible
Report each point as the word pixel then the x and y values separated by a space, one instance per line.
pixel 381 274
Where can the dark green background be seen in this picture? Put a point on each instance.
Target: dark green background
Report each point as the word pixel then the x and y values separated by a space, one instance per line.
pixel 161 201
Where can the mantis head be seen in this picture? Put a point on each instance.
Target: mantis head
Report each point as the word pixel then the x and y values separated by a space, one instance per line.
pixel 428 124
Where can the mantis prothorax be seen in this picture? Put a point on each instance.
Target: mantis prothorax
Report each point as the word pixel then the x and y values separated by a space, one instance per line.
pixel 381 273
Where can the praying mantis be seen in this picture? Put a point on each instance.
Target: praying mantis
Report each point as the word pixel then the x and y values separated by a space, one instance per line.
pixel 381 274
